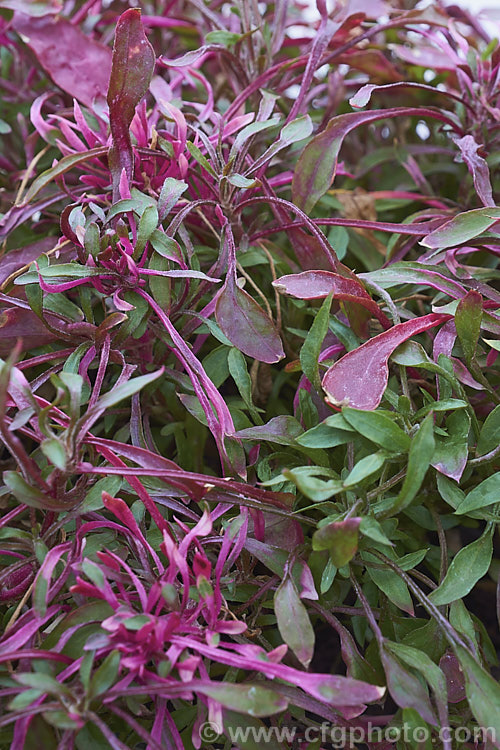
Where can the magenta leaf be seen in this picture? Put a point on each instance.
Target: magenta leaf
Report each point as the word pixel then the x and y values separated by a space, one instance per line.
pixel 76 63
pixel 317 166
pixel 319 284
pixel 132 67
pixel 478 168
pixel 245 323
pixel 359 378
pixel 34 8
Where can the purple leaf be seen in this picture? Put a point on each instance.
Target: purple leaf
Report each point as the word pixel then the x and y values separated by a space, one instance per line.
pixel 317 166
pixel 478 168
pixel 132 67
pixel 319 284
pixel 293 621
pixel 359 378
pixel 245 323
pixel 17 323
pixel 76 63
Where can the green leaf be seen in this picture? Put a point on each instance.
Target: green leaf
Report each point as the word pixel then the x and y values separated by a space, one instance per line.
pixel 202 160
pixel 170 193
pixel 105 676
pixel 293 621
pixel 451 451
pixel 462 228
pixel 24 492
pixel 340 538
pixel 468 566
pixel 243 182
pixel 405 688
pixel 421 454
pixel 484 494
pixel 252 699
pixel 125 390
pixel 489 437
pixel 365 468
pixel 93 498
pixel 63 166
pixel 147 225
pixel 468 317
pixel 324 436
pixel 389 583
pixel 55 452
pixel 483 692
pixel 42 682
pixel 249 730
pixel 418 660
pixel 378 428
pixel 311 348
pixel 220 36
pixel 238 369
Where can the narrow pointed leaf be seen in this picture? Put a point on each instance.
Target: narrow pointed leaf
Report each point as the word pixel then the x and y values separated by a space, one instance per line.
pixel 132 67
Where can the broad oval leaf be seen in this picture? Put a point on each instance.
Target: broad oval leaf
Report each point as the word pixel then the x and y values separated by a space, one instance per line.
pixel 246 325
pixel 462 228
pixel 340 538
pixel 293 621
pixel 469 565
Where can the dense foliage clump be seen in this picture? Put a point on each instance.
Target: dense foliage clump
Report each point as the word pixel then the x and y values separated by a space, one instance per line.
pixel 249 387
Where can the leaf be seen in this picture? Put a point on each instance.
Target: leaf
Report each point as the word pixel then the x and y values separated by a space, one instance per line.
pixel 249 731
pixel 254 700
pixel 468 317
pixel 340 538
pixel 483 693
pixel 462 228
pixel 478 168
pixel 54 450
pixel 319 284
pixel 170 193
pixel 33 7
pixel 468 566
pixel 451 452
pixel 76 63
pixel 359 378
pixel 43 682
pixel 420 456
pixel 105 676
pixel 281 430
pixel 378 428
pixel 132 66
pixel 125 390
pixel 147 225
pixel 365 468
pixel 293 621
pixel 389 583
pixel 311 348
pixel 317 166
pixel 484 494
pixel 489 437
pixel 245 323
pixel 62 166
pixel 405 688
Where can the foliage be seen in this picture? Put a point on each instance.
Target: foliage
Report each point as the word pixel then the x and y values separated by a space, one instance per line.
pixel 249 396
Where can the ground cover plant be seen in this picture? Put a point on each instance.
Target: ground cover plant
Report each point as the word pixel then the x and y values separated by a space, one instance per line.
pixel 249 401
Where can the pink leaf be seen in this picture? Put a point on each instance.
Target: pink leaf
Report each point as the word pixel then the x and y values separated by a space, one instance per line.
pixel 359 378
pixel 245 323
pixel 319 284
